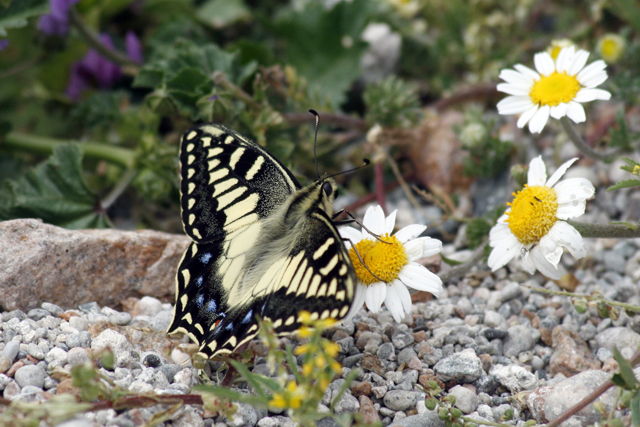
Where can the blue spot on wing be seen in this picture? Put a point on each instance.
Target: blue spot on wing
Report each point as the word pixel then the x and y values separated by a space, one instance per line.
pixel 247 318
pixel 200 300
pixel 229 326
pixel 199 281
pixel 205 258
pixel 212 306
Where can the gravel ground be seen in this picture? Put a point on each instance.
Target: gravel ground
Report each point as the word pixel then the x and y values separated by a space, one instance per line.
pixel 494 344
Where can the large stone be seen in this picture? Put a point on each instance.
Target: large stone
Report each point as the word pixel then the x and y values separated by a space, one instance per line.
pixel 41 262
pixel 572 390
pixel 625 339
pixel 462 367
pixel 571 355
pixel 521 338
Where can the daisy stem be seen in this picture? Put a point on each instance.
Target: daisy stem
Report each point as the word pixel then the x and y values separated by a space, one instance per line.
pixel 625 230
pixel 570 129
pixel 622 305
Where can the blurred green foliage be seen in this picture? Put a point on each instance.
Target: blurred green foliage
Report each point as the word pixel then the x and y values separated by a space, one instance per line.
pixel 257 66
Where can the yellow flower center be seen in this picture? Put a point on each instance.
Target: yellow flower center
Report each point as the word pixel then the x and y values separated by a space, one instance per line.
pixel 533 213
pixel 554 89
pixel 384 257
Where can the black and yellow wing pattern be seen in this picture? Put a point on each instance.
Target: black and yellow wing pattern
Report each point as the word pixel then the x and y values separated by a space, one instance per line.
pixel 263 246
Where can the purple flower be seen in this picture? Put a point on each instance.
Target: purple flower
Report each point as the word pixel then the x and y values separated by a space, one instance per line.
pixel 95 70
pixel 4 43
pixel 57 22
pixel 134 49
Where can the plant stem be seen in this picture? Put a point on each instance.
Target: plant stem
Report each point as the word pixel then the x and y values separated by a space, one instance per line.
pixel 122 185
pixel 129 66
pixel 44 145
pixel 605 230
pixel 464 268
pixel 220 79
pixel 587 150
pixel 625 306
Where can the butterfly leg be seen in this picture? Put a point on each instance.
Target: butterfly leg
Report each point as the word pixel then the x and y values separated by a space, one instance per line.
pixel 351 221
pixel 360 258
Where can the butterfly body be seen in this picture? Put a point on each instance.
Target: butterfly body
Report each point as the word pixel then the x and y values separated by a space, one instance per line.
pixel 263 245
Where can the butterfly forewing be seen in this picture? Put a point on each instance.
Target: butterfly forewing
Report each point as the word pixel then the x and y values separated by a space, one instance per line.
pixel 263 247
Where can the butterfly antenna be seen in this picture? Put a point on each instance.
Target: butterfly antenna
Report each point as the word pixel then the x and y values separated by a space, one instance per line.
pixel 366 163
pixel 315 141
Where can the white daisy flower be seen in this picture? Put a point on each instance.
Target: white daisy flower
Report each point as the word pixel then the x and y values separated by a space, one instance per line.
pixel 534 223
pixel 392 259
pixel 557 89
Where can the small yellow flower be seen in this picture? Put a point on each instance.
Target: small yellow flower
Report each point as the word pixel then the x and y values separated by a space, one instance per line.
pixel 611 47
pixel 278 401
pixel 331 349
pixel 303 349
pixel 557 45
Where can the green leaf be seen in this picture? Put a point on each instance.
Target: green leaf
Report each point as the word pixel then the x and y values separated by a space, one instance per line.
pixel 626 370
pixel 324 44
pixel 450 261
pixel 54 191
pixel 221 13
pixel 624 184
pixel 182 74
pixel 635 409
pixel 15 15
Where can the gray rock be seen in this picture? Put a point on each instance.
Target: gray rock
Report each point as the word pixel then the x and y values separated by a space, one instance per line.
pixel 162 320
pixel 514 377
pixel 78 421
pixel 401 400
pixel 463 367
pixel 120 318
pixel 78 356
pixel 345 344
pixel 245 416
pixel 572 390
pixel 427 419
pixel 30 375
pixel 521 338
pixel 510 291
pixel 52 308
pixel 625 339
pixel 34 350
pixel 406 355
pixel 38 313
pixel 401 339
pixel 351 361
pixel 73 341
pixel 466 400
pixel 493 319
pixel 117 342
pixel 10 350
pixel 189 417
pixel 386 351
pixel 347 404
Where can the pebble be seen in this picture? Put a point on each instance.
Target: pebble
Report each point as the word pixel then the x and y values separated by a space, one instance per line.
pixel 462 367
pixel 466 399
pixel 32 375
pixel 401 400
pixel 514 377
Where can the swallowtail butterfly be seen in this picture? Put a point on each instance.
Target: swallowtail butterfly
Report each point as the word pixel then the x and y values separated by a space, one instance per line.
pixel 263 245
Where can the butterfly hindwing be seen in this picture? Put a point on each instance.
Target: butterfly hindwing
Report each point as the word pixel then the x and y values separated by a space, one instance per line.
pixel 263 246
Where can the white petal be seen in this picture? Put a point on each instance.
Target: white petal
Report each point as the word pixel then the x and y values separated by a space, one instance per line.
pixel 516 78
pixel 422 247
pixel 588 95
pixel 526 116
pixel 537 174
pixel 403 293
pixel 571 189
pixel 501 255
pixel 544 63
pixel 544 266
pixel 420 278
pixel 394 304
pixel 410 232
pixel 559 172
pixel 527 262
pixel 563 61
pixel 374 220
pixel 591 71
pixel 571 210
pixel 350 233
pixel 431 247
pixel 576 112
pixel 539 119
pixel 499 234
pixel 527 72
pixel 578 63
pixel 375 296
pixel 550 250
pixel 596 80
pixel 390 222
pixel 414 249
pixel 514 105
pixel 512 89
pixel 358 301
pixel 562 233
pixel 558 111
